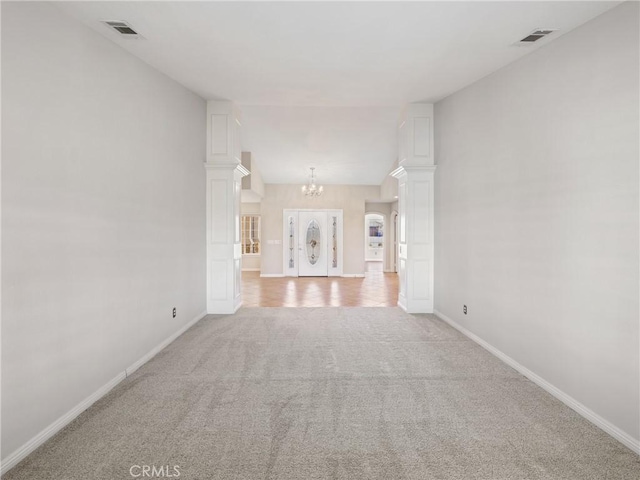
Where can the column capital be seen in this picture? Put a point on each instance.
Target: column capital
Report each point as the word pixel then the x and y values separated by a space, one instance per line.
pixel 408 169
pixel 227 166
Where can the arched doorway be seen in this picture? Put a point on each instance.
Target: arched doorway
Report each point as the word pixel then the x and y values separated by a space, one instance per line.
pixel 374 238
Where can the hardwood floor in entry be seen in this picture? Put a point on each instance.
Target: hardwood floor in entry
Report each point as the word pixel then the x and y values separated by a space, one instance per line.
pixel 376 289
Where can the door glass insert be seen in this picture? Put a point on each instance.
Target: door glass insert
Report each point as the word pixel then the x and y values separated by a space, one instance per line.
pixel 313 242
pixel 334 261
pixel 291 242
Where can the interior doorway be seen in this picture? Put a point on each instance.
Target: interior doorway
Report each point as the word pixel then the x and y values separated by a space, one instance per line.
pixel 374 240
pixel 377 286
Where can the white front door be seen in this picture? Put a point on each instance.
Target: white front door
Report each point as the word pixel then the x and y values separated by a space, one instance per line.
pixel 312 244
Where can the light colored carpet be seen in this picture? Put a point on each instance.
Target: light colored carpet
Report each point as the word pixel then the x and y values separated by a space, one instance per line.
pixel 330 393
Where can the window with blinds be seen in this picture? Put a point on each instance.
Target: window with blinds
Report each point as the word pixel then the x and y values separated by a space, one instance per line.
pixel 250 234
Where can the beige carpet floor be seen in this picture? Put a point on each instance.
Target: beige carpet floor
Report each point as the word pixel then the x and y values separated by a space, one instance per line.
pixel 331 393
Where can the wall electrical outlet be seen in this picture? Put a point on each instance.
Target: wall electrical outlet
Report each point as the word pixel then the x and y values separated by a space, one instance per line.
pixel 464 309
pixel 175 312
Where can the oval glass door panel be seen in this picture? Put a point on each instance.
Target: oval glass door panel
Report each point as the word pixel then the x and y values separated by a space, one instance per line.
pixel 313 242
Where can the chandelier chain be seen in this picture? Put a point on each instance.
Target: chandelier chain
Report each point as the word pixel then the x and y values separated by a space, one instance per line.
pixel 311 189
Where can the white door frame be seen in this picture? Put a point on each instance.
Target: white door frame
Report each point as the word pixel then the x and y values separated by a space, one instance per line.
pixel 291 243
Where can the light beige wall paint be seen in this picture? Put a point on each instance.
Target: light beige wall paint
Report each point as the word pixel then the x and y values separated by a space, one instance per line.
pixel 349 198
pixel 103 214
pixel 251 262
pixel 377 207
pixel 250 208
pixel 537 213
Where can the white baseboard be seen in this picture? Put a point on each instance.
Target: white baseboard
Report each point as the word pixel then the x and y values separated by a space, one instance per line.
pixel 16 457
pixel 154 351
pixel 250 269
pixel 21 453
pixel 615 432
pixel 344 275
pixel 237 306
pixel 402 301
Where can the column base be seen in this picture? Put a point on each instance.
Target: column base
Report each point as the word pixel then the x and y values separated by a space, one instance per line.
pixel 222 308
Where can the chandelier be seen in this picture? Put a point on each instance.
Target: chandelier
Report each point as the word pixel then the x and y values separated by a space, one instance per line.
pixel 312 190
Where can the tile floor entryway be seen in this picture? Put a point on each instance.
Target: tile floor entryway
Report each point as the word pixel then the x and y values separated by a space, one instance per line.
pixel 376 289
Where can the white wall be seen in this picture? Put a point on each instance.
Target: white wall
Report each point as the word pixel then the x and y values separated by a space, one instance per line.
pixel 537 213
pixel 349 198
pixel 103 223
pixel 252 184
pixel 389 187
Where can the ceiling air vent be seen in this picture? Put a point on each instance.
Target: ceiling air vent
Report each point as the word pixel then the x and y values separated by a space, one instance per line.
pixel 123 28
pixel 537 35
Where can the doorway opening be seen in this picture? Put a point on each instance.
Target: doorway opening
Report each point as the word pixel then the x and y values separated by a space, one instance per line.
pixel 309 238
pixel 374 237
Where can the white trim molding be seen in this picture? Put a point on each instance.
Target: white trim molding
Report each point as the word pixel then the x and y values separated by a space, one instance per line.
pixel 224 249
pixel 224 173
pixel 30 446
pixel 623 437
pixel 271 275
pixel 161 346
pixel 415 237
pixel 292 243
pixel 352 275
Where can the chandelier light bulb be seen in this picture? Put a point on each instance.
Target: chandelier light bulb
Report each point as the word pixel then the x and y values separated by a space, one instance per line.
pixel 311 189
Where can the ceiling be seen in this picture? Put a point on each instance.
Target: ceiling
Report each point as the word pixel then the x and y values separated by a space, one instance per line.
pixel 331 53
pixel 368 55
pixel 346 145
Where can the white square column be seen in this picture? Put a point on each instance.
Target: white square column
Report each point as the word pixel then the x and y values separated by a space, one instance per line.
pixel 224 183
pixel 415 176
